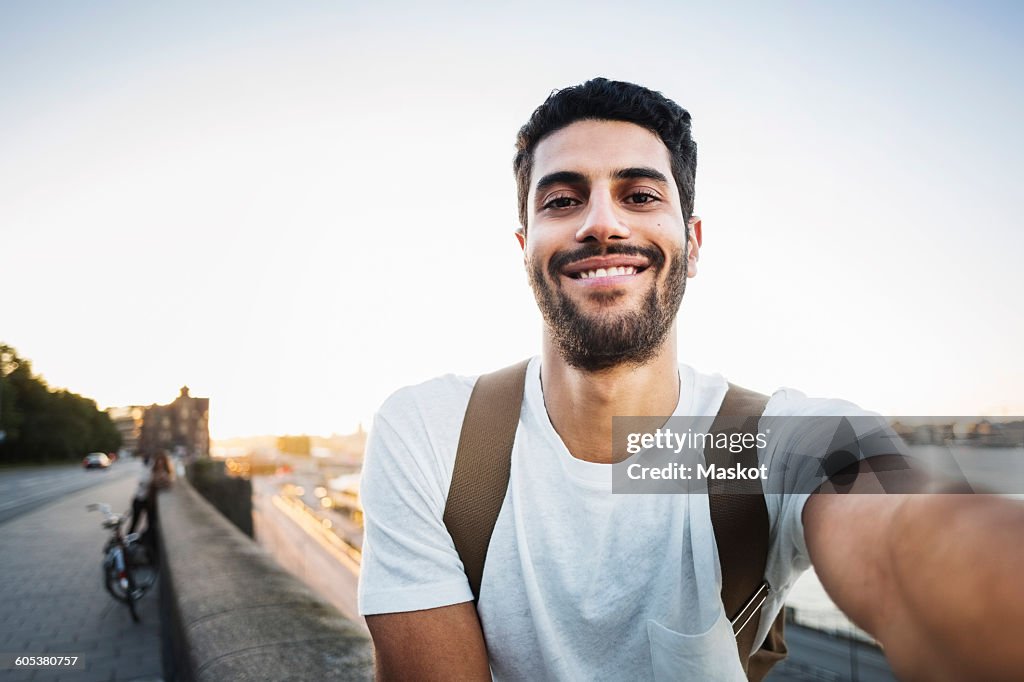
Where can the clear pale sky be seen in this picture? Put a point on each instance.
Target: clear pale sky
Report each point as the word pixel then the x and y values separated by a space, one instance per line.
pixel 296 208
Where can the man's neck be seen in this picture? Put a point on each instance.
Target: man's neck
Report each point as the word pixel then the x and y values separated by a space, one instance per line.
pixel 581 404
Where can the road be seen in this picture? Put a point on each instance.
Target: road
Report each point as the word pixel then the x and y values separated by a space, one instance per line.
pixel 52 599
pixel 24 489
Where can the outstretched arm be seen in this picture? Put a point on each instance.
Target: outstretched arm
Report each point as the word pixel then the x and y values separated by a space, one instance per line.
pixel 935 578
pixel 445 643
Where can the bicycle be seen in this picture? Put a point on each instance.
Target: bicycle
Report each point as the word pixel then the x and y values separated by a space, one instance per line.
pixel 129 566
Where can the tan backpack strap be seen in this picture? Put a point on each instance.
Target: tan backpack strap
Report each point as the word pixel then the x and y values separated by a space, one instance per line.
pixel 483 463
pixel 739 516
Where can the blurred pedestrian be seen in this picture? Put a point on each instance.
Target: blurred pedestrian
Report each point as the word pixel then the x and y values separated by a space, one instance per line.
pixel 156 475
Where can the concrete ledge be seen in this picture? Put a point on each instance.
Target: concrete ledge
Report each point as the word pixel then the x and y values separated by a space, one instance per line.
pixel 235 615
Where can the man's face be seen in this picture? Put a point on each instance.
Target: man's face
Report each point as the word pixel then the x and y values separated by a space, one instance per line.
pixel 606 246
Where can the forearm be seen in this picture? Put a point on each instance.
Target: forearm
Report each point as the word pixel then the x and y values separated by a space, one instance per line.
pixel 958 588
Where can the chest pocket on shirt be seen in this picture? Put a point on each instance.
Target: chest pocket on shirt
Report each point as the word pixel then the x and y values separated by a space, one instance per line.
pixel 709 656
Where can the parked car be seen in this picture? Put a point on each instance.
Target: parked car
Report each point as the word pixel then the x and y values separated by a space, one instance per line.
pixel 96 460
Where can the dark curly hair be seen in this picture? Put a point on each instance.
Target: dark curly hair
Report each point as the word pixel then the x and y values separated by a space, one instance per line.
pixel 605 100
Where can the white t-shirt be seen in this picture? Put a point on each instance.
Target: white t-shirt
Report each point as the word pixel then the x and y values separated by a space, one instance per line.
pixel 142 489
pixel 579 583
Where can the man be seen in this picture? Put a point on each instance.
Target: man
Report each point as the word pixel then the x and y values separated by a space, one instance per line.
pixel 580 583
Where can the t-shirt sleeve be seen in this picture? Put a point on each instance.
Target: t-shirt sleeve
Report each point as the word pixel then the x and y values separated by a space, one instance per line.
pixel 409 561
pixel 804 433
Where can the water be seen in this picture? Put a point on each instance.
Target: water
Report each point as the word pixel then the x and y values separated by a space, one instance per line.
pixel 999 470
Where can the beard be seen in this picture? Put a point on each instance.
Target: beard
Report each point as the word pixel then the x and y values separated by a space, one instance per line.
pixel 600 341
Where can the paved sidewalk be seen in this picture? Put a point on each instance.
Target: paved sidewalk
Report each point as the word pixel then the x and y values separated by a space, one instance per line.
pixel 52 599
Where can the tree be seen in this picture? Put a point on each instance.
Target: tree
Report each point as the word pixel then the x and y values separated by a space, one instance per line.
pixel 10 417
pixel 43 425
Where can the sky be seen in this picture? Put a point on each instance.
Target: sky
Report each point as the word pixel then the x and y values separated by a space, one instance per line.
pixel 297 208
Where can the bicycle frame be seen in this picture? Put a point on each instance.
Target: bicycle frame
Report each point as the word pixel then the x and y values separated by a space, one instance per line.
pixel 125 578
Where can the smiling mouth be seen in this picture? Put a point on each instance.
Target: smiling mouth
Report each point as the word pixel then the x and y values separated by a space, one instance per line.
pixel 606 267
pixel 620 271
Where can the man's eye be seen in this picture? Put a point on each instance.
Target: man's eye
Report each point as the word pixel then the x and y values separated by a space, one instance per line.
pixel 561 202
pixel 641 198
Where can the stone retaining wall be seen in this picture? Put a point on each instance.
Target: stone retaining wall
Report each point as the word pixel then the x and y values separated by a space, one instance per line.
pixel 233 614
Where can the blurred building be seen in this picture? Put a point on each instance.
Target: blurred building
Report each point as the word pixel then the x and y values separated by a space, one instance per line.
pixel 347 448
pixel 294 445
pixel 128 421
pixel 181 428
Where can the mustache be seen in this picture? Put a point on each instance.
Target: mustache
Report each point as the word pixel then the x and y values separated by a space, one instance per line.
pixel 590 250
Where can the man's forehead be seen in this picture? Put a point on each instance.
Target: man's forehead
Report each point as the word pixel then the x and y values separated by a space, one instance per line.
pixel 600 148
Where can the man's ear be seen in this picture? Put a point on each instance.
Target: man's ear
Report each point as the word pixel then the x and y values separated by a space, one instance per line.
pixel 521 236
pixel 695 239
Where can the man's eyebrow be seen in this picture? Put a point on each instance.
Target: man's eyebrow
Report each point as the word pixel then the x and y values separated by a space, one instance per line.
pixel 640 172
pixel 560 178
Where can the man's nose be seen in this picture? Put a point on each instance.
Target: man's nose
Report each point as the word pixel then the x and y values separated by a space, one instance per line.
pixel 602 221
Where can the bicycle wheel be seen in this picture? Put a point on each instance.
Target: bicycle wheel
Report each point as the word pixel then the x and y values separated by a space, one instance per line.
pixel 116 584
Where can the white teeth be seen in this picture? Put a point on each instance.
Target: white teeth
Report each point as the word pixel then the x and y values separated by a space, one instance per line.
pixel 619 271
